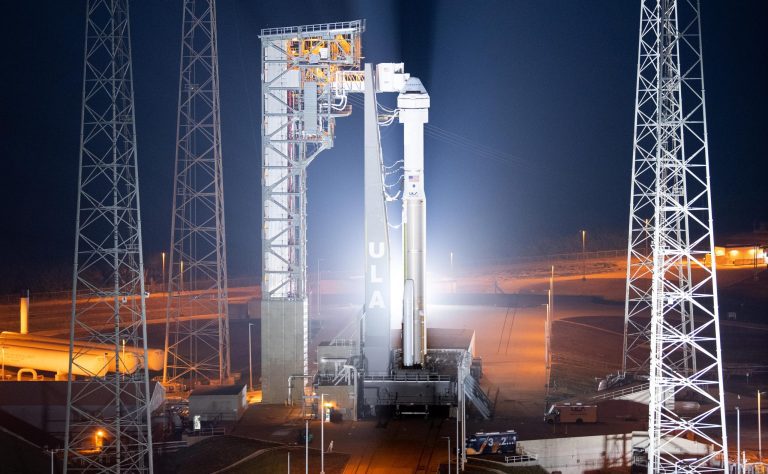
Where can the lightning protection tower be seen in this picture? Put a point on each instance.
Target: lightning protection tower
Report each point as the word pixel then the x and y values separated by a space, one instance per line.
pixel 197 328
pixel 302 68
pixel 671 320
pixel 108 418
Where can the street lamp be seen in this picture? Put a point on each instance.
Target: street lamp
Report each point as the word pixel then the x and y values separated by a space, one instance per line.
pixel 318 286
pixel 163 270
pixel 306 446
pixel 738 441
pixel 99 439
pixel 759 429
pixel 322 433
pixel 250 359
pixel 449 453
pixel 584 254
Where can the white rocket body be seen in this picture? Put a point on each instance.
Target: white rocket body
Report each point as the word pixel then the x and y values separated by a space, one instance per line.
pixel 413 103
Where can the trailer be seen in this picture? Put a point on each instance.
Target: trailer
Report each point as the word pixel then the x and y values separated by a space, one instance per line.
pixel 571 413
pixel 504 442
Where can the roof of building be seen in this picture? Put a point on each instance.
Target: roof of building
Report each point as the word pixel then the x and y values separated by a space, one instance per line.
pixel 209 390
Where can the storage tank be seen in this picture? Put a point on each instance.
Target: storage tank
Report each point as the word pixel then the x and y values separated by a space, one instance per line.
pixel 57 361
pixel 154 356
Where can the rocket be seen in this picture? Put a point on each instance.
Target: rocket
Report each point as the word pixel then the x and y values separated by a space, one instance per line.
pixel 413 104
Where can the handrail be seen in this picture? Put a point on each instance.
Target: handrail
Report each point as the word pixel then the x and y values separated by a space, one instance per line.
pixel 622 391
pixel 521 458
pixel 290 30
pixel 406 377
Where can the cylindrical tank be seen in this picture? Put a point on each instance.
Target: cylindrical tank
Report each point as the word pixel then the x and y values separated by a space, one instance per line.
pixel 88 364
pixel 154 356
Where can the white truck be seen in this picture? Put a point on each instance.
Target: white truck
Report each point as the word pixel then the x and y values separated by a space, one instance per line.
pixel 571 413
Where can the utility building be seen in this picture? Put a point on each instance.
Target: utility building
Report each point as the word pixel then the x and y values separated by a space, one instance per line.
pixel 218 402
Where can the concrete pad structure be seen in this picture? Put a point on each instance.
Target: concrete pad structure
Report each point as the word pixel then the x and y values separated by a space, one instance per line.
pixel 594 453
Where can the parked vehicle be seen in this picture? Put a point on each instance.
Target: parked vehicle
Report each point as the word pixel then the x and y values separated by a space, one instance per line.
pixel 492 443
pixel 571 413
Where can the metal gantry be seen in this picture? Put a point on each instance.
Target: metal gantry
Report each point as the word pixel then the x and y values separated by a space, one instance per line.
pixel 197 328
pixel 300 68
pixel 671 321
pixel 108 426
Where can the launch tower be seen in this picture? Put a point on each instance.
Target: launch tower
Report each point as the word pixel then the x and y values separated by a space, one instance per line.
pixel 197 329
pixel 108 425
pixel 671 319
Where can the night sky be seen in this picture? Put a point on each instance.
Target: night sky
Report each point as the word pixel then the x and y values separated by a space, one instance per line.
pixel 531 137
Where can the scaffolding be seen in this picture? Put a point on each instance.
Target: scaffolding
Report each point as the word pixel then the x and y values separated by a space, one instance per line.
pixel 197 327
pixel 671 318
pixel 299 106
pixel 108 425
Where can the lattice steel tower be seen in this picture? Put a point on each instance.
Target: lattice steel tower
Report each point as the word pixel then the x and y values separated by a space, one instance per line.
pixel 300 68
pixel 671 320
pixel 197 328
pixel 107 420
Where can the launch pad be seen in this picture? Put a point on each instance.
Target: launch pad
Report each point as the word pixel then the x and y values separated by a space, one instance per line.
pixel 310 72
pixel 406 390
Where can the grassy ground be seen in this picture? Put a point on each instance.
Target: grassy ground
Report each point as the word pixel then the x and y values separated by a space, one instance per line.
pixel 210 455
pixel 219 452
pixel 276 462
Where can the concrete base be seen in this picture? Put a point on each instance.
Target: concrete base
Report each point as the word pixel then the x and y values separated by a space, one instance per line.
pixel 284 346
pixel 593 453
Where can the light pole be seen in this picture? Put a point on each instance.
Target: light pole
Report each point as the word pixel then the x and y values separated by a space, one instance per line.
pixel 547 358
pixel 163 271
pixel 322 433
pixel 317 287
pixel 754 260
pixel 250 359
pixel 306 446
pixel 738 441
pixel 51 452
pixel 3 349
pixel 583 255
pixel 759 430
pixel 459 391
pixel 449 453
